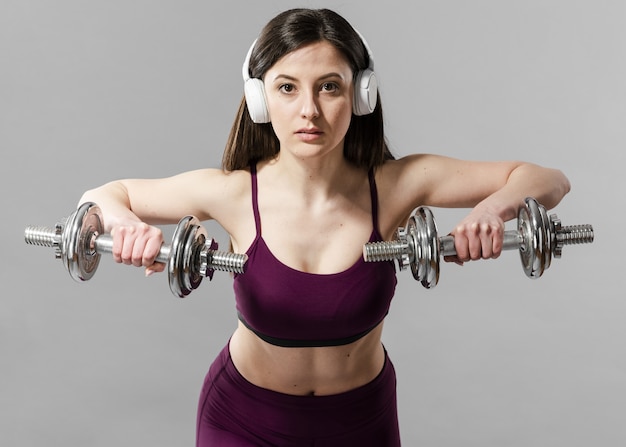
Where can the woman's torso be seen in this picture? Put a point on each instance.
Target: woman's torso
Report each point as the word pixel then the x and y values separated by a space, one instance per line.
pixel 334 242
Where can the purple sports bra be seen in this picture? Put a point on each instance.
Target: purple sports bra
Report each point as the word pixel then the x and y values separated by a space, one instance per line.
pixel 291 308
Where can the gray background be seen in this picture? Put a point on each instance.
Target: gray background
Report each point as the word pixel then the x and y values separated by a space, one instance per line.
pixel 94 91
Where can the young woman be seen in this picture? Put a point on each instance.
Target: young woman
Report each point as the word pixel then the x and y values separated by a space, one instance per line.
pixel 307 179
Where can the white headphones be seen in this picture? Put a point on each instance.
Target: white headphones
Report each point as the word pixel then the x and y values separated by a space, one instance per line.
pixel 365 89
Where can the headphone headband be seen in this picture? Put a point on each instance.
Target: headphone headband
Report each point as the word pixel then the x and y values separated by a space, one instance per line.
pixel 370 55
pixel 245 69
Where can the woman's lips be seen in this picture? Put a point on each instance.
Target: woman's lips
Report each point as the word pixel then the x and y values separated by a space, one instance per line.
pixel 309 134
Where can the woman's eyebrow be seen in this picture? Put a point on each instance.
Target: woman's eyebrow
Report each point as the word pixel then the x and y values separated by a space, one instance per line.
pixel 292 78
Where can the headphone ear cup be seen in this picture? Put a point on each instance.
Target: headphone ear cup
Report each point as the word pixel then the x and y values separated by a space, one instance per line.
pixel 365 92
pixel 254 91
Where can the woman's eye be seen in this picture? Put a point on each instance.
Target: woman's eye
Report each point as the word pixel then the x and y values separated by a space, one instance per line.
pixel 330 87
pixel 286 88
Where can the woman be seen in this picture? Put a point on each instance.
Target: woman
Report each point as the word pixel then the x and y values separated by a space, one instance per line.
pixel 307 179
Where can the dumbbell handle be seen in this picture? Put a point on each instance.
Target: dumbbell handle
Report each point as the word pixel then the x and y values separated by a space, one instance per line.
pixel 513 240
pixel 103 243
pixel 224 261
pixel 390 250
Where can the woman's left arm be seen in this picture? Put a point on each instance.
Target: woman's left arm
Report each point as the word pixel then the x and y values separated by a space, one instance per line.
pixel 493 190
pixel 548 186
pixel 480 234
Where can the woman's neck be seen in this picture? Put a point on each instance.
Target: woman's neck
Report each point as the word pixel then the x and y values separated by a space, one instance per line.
pixel 317 178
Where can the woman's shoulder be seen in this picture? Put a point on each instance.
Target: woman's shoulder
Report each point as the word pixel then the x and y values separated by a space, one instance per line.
pixel 208 191
pixel 392 172
pixel 402 184
pixel 216 177
pixel 222 184
pixel 412 168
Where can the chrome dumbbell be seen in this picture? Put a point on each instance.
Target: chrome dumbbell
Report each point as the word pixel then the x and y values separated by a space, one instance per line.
pixel 538 238
pixel 80 240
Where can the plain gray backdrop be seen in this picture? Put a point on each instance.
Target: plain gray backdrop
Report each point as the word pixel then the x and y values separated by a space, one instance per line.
pixel 92 91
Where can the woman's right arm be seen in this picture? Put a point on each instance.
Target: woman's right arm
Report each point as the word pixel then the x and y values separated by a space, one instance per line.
pixel 131 207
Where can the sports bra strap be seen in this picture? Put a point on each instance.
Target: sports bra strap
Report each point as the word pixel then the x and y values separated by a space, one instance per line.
pixel 255 199
pixel 374 196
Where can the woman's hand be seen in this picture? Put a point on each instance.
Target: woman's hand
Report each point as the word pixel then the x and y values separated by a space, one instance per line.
pixel 138 244
pixel 480 235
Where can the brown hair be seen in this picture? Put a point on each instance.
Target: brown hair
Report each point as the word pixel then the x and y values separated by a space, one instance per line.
pixel 365 144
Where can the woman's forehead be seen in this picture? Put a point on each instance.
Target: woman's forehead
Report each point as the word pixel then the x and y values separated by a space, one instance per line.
pixel 320 55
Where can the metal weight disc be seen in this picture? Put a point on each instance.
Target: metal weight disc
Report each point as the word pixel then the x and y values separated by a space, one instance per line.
pixel 412 238
pixel 423 232
pixel 195 239
pixel 535 252
pixel 548 242
pixel 182 265
pixel 77 251
pixel 526 252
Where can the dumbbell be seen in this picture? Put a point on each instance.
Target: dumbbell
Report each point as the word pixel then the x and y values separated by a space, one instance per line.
pixel 538 238
pixel 80 240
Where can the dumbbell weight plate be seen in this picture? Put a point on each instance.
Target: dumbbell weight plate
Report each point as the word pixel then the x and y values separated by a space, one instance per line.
pixel 187 240
pixel 536 250
pixel 548 235
pixel 77 251
pixel 422 233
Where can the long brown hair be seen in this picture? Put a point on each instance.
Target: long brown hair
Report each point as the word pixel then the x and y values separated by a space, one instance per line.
pixel 364 145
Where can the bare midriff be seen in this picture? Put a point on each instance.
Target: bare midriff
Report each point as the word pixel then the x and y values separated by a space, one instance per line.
pixel 307 371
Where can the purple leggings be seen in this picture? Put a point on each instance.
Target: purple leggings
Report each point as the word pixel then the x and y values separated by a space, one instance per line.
pixel 236 413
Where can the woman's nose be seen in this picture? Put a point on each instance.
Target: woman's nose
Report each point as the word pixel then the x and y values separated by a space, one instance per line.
pixel 310 107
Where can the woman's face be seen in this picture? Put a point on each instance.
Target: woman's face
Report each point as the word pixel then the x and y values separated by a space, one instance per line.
pixel 309 95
